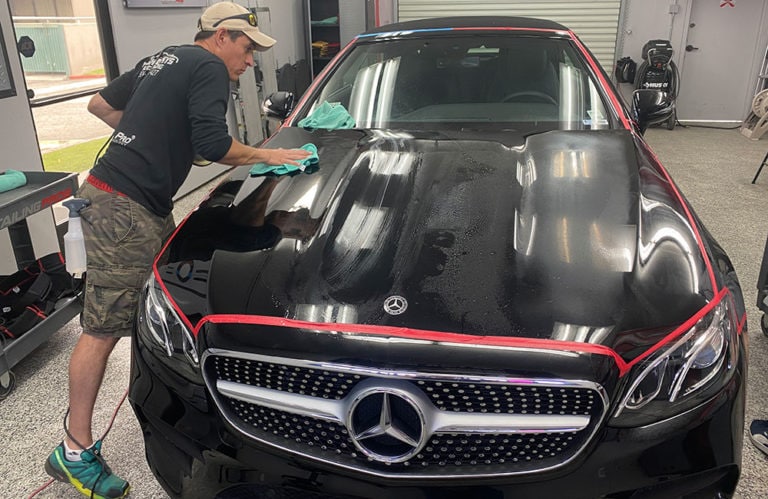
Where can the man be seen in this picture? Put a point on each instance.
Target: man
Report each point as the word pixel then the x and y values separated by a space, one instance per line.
pixel 167 111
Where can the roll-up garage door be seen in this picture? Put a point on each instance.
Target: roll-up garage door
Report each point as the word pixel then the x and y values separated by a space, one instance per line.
pixel 595 22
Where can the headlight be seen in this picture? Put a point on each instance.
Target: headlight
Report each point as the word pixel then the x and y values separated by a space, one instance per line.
pixel 157 317
pixel 684 373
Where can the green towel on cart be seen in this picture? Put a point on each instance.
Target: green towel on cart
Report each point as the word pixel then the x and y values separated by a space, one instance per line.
pixel 307 165
pixel 12 179
pixel 328 117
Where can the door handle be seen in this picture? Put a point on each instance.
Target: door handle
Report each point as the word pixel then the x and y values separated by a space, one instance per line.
pixel 690 48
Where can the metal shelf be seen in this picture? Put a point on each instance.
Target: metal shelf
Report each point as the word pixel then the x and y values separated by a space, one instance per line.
pixel 43 189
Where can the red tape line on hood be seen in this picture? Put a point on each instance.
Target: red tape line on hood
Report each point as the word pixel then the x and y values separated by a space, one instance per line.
pixel 459 338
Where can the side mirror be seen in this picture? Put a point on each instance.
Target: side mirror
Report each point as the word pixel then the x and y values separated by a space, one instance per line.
pixel 279 105
pixel 650 107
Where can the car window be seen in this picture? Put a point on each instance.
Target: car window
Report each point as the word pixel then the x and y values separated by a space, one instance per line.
pixel 449 81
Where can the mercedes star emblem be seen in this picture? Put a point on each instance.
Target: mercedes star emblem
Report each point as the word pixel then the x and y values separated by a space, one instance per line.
pixel 395 305
pixel 387 425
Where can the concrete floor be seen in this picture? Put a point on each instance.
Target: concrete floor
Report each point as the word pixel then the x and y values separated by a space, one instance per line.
pixel 714 169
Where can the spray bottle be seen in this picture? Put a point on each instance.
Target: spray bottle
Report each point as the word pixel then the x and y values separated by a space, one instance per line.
pixel 74 243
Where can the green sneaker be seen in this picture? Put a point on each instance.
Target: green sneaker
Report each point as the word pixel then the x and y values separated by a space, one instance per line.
pixel 91 476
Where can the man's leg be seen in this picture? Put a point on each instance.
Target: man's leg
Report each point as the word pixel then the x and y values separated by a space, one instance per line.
pixel 108 307
pixel 121 240
pixel 86 469
pixel 86 372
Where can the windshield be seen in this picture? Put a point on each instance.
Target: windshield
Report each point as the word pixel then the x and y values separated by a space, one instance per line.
pixel 446 81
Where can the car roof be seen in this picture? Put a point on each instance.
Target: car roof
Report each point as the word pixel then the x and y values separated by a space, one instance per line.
pixel 470 22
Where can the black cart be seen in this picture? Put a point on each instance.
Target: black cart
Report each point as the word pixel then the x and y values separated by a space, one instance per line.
pixel 43 189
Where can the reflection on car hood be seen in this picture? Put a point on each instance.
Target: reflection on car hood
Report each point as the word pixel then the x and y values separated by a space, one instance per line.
pixel 565 235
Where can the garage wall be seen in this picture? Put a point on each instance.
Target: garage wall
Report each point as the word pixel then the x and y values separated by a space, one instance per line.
pixel 729 87
pixel 288 29
pixel 139 32
pixel 595 22
pixel 18 142
pixel 647 20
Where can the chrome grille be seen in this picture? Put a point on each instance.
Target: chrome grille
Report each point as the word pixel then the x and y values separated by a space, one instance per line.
pixel 326 436
pixel 286 378
pixel 331 441
pixel 483 397
pixel 302 407
pixel 479 450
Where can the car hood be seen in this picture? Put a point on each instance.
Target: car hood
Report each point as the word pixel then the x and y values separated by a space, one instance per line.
pixel 564 235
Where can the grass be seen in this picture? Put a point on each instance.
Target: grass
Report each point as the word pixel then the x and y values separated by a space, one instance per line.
pixel 95 72
pixel 76 158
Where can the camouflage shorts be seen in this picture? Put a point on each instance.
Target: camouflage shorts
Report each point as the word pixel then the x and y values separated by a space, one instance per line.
pixel 122 239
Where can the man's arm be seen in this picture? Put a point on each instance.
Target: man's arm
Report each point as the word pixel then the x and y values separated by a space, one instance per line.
pixel 207 98
pixel 241 154
pixel 102 110
pixel 108 104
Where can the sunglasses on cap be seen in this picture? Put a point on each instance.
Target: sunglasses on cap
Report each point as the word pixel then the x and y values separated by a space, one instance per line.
pixel 250 18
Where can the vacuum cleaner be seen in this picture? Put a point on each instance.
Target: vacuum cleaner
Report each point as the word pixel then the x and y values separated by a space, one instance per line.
pixel 659 72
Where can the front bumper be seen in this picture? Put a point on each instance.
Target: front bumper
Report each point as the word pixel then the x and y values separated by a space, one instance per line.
pixel 193 452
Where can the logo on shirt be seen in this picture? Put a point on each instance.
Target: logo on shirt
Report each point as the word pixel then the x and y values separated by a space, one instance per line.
pixel 122 139
pixel 156 63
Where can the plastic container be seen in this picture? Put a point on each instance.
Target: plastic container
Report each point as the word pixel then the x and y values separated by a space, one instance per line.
pixel 74 242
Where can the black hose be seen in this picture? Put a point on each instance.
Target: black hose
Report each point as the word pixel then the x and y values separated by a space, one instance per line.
pixel 640 75
pixel 674 81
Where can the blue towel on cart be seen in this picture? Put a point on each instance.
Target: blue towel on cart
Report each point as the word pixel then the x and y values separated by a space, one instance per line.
pixel 307 165
pixel 12 179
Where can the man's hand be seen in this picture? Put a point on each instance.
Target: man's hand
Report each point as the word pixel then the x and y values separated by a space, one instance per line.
pixel 240 154
pixel 284 156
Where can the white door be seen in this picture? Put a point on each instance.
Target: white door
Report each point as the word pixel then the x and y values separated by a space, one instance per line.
pixel 718 58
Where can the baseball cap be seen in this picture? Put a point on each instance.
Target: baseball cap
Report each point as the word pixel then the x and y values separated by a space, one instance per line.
pixel 237 18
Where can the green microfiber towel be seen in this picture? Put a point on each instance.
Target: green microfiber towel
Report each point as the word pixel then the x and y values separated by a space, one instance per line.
pixel 327 21
pixel 307 165
pixel 328 117
pixel 12 179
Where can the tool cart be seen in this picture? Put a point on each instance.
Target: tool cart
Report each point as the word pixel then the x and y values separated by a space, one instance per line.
pixel 42 190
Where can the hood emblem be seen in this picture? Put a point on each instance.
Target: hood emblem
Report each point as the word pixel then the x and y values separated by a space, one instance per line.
pixel 387 425
pixel 395 305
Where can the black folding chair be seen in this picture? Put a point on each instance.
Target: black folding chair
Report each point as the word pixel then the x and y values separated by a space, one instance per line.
pixel 760 168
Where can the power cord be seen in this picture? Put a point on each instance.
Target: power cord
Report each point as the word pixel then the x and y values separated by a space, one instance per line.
pixel 710 126
pixel 98 456
pixel 103 146
pixel 41 488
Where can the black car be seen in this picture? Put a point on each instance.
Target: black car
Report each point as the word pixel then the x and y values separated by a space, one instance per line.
pixel 487 287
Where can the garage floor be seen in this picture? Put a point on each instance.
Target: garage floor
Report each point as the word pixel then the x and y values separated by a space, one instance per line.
pixel 714 169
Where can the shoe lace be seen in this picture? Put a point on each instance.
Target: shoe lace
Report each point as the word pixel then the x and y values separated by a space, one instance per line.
pixel 89 455
pixel 96 470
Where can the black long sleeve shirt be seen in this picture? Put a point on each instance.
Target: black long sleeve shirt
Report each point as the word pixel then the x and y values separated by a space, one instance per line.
pixel 174 105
